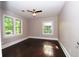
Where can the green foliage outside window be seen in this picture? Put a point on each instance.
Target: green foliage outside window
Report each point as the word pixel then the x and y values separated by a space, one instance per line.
pixel 8 25
pixel 18 26
pixel 47 29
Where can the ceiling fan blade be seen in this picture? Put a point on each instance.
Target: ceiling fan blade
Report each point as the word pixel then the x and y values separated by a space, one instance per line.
pixel 29 11
pixel 38 11
pixel 23 10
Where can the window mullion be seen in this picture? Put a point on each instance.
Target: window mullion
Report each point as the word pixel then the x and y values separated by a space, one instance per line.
pixel 14 26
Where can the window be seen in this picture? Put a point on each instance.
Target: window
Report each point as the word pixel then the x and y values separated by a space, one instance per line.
pixel 18 26
pixel 8 25
pixel 47 28
pixel 12 26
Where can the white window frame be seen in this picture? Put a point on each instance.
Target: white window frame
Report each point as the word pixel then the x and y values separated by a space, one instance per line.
pixel 14 29
pixel 44 23
pixel 4 27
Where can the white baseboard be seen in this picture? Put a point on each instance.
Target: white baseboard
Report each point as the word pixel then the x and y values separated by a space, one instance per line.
pixel 43 38
pixel 17 41
pixel 12 43
pixel 64 49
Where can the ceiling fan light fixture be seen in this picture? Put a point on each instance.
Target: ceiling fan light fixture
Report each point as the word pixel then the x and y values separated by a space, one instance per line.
pixel 34 14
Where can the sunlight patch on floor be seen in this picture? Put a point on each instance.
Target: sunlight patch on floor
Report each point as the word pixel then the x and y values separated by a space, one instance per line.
pixel 48 49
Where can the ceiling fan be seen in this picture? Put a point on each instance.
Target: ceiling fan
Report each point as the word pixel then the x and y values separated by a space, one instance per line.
pixel 34 11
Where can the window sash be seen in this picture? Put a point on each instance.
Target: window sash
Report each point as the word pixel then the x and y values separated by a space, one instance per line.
pixel 47 28
pixel 8 25
pixel 18 26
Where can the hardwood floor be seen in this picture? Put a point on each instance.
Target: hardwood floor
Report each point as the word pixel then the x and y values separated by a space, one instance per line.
pixel 34 48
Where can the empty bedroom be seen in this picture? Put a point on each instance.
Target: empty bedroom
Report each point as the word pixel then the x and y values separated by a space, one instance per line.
pixel 39 28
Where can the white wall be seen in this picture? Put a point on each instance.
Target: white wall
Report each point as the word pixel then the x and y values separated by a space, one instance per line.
pixel 0 33
pixel 13 38
pixel 35 27
pixel 69 27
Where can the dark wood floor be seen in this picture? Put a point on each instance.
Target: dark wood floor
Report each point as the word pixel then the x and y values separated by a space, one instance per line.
pixel 34 48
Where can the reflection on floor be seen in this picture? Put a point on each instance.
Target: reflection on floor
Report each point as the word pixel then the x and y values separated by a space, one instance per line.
pixel 34 48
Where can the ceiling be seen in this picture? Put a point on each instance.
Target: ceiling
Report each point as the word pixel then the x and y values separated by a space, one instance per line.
pixel 49 8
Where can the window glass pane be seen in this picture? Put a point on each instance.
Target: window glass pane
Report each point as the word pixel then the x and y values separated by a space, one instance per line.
pixel 47 28
pixel 8 25
pixel 18 26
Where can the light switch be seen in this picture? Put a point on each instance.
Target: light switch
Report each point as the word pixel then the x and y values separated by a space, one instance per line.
pixel 77 45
